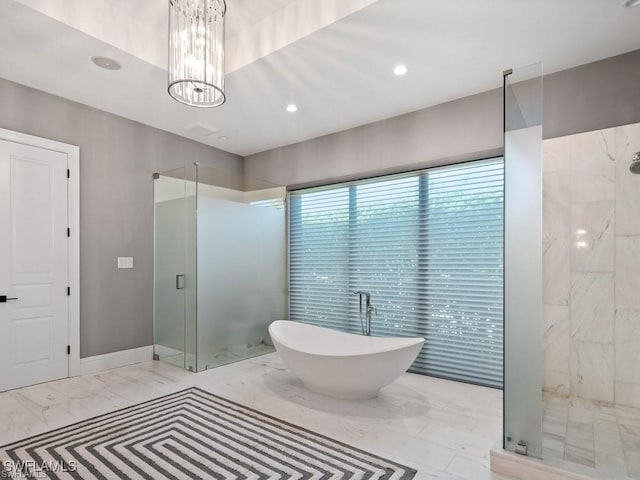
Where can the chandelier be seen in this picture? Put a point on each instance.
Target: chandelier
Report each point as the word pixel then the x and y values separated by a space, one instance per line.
pixel 196 52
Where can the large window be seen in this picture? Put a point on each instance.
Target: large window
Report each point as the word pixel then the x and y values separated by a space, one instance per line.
pixel 429 248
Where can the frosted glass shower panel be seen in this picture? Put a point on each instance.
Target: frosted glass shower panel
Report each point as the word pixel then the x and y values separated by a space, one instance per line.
pixel 174 267
pixel 523 261
pixel 241 270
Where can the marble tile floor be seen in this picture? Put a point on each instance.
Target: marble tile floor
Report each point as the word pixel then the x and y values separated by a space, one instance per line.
pixel 600 440
pixel 444 429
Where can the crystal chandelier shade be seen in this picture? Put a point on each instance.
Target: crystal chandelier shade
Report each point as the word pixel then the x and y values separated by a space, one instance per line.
pixel 196 52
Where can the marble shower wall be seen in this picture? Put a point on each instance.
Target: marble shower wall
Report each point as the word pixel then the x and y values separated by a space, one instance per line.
pixel 591 232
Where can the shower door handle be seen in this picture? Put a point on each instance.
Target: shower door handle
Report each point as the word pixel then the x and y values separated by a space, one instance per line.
pixel 180 281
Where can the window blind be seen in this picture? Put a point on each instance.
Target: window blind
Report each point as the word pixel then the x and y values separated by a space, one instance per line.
pixel 429 248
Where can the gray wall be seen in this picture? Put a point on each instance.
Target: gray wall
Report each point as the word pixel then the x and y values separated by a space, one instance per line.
pixel 117 159
pixel 589 97
pixel 459 130
pixel 594 96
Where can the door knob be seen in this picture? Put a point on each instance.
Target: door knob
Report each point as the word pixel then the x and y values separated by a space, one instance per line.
pixel 4 298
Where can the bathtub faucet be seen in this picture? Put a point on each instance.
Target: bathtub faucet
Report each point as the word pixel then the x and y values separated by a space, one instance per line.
pixel 368 311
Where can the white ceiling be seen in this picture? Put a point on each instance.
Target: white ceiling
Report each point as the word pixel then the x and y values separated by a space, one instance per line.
pixel 340 75
pixel 241 14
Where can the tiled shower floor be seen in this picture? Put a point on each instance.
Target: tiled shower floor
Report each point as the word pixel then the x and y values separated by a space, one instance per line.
pixel 219 358
pixel 592 435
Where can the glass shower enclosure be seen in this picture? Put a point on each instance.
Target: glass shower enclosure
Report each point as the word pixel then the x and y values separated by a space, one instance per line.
pixel 219 266
pixel 523 261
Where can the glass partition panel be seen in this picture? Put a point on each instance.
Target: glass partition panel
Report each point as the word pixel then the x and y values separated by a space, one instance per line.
pixel 241 265
pixel 523 261
pixel 174 267
pixel 169 239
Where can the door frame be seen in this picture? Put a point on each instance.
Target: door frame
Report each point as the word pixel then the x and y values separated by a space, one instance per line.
pixel 73 216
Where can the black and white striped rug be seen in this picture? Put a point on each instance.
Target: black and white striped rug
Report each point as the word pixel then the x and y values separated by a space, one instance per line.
pixel 190 435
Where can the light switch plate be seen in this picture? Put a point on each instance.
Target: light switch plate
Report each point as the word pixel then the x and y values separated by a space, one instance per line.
pixel 125 262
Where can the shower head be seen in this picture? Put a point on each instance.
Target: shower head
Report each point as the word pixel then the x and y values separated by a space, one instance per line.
pixel 635 163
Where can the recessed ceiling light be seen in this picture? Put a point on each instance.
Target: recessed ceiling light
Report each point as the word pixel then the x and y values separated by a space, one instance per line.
pixel 292 108
pixel 400 70
pixel 223 137
pixel 106 63
pixel 631 3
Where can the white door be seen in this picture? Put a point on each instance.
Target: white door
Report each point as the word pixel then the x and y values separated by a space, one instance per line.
pixel 34 319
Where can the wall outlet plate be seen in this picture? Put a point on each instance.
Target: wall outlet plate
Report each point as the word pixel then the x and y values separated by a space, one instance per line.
pixel 125 262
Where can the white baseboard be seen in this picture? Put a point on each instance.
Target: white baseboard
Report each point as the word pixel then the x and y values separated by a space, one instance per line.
pixel 122 358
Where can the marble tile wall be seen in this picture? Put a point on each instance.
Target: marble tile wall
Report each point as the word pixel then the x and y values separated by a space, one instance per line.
pixel 592 266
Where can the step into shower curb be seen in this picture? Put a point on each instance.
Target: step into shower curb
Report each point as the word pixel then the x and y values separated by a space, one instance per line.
pixel 521 467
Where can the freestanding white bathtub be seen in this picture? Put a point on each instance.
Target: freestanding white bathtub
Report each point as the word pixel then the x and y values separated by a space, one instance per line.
pixel 341 364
